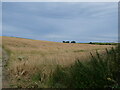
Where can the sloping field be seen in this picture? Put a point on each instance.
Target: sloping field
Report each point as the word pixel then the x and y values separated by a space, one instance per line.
pixel 45 52
pixel 28 56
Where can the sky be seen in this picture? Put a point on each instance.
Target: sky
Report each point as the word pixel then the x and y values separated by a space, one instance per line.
pixel 58 21
pixel 0 19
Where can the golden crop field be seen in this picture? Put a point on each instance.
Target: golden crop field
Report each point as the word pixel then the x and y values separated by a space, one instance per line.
pixel 27 56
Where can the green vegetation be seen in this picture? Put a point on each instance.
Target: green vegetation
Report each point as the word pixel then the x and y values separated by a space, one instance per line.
pixel 69 42
pixel 100 71
pixel 73 42
pixel 7 50
pixel 66 41
pixel 97 43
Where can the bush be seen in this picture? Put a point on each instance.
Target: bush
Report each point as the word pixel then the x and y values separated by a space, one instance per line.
pixel 59 78
pixel 90 43
pixel 73 42
pixel 96 43
pixel 100 71
pixel 63 41
pixel 67 41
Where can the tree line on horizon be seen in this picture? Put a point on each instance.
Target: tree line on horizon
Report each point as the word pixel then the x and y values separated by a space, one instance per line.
pixel 96 43
pixel 69 42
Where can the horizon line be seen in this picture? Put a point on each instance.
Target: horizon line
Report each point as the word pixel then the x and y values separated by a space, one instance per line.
pixel 65 40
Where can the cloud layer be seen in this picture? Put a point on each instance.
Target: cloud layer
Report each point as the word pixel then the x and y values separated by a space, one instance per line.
pixel 61 21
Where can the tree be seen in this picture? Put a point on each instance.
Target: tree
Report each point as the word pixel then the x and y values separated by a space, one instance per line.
pixel 63 41
pixel 67 41
pixel 73 42
pixel 90 43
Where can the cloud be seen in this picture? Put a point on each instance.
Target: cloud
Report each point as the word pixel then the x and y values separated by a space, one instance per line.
pixel 0 19
pixel 61 21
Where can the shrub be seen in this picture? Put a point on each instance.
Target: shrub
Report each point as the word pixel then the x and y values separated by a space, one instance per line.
pixel 36 77
pixel 100 71
pixel 63 41
pixel 67 41
pixel 90 43
pixel 59 78
pixel 73 42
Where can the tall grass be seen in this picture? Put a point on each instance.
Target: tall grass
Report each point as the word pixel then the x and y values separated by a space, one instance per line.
pixel 31 61
pixel 100 71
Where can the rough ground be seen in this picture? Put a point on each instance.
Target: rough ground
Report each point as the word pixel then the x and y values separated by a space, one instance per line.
pixel 0 67
pixel 5 77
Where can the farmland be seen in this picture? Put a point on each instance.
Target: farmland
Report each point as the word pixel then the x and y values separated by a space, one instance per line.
pixel 27 57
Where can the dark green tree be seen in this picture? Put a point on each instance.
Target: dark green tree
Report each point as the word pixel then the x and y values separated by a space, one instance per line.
pixel 73 42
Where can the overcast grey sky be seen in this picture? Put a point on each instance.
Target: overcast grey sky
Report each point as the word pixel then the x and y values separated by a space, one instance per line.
pixel 58 21
pixel 0 19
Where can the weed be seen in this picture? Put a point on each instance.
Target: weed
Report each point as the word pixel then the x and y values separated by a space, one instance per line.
pixel 36 77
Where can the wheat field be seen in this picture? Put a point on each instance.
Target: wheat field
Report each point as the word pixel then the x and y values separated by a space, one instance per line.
pixel 27 56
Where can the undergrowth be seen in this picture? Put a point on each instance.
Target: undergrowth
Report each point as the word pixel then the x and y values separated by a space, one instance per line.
pixel 100 71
